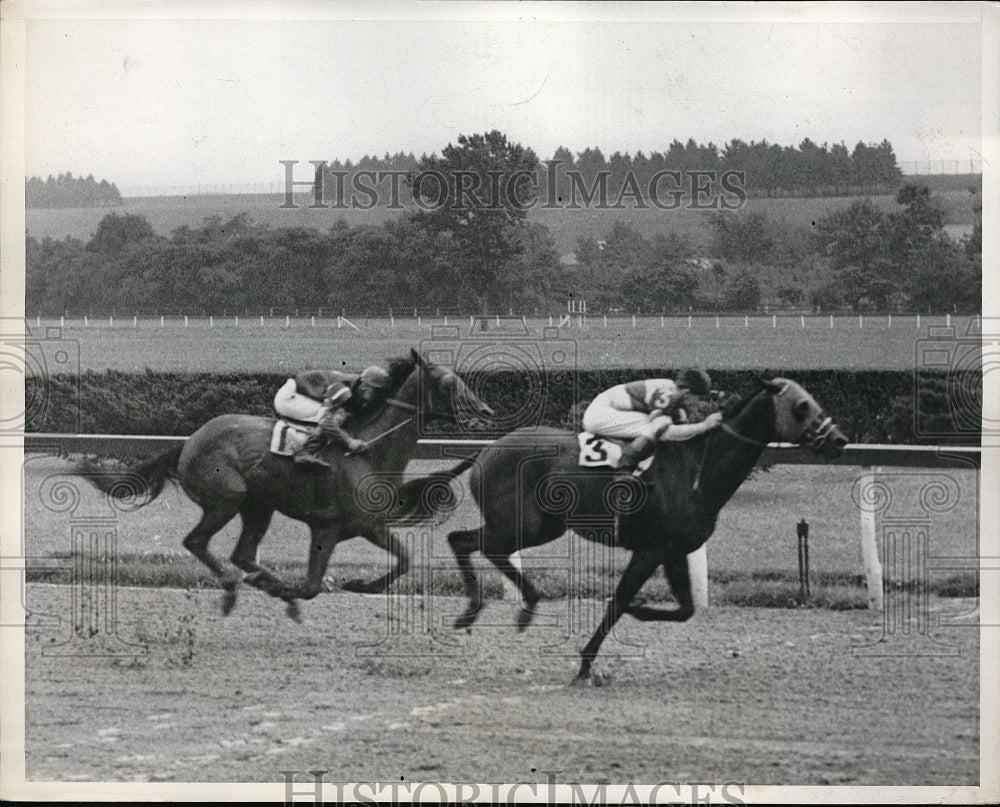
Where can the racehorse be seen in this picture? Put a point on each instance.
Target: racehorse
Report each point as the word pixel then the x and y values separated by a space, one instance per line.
pixel 668 512
pixel 226 467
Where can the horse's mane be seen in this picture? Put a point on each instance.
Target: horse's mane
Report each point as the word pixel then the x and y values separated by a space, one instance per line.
pixel 399 370
pixel 732 408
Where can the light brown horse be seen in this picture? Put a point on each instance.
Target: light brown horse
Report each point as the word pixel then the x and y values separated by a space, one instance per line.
pixel 528 483
pixel 226 467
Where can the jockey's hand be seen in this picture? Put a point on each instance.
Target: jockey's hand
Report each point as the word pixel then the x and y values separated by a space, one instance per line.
pixel 713 420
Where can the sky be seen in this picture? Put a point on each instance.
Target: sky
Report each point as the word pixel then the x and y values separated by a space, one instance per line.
pixel 211 97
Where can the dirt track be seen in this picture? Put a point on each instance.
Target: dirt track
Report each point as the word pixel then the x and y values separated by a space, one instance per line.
pixel 737 694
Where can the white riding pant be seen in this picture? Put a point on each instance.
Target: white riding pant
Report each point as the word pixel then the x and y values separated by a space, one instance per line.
pixel 292 404
pixel 607 421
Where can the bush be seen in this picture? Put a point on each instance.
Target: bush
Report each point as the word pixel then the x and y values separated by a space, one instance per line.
pixel 869 406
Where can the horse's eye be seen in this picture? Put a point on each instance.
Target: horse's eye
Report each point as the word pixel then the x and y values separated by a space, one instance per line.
pixel 801 410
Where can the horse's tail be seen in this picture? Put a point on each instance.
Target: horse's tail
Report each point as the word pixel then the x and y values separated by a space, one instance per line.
pixel 145 480
pixel 422 499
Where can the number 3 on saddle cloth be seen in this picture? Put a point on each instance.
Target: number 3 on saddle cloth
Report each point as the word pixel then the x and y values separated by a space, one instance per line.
pixel 604 452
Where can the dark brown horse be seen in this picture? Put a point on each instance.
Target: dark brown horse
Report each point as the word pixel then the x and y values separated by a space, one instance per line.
pixel 226 467
pixel 528 481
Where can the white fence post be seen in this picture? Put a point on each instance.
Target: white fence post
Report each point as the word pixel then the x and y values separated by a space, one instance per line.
pixel 869 547
pixel 698 572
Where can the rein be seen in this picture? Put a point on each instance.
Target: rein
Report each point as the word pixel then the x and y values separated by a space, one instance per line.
pixel 732 433
pixel 407 407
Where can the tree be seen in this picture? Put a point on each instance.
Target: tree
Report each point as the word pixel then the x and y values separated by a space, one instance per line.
pixel 476 195
pixel 116 232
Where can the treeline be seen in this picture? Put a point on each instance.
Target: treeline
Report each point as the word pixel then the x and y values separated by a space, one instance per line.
pixel 240 266
pixel 767 169
pixel 859 257
pixel 66 190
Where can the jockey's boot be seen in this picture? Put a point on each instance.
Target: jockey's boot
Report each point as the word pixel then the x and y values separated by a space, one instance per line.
pixel 309 453
pixel 636 451
pixel 643 446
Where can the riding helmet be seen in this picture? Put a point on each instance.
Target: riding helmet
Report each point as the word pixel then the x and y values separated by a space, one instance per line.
pixel 376 377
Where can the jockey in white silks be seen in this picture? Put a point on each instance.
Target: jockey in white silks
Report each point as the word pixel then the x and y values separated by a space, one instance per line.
pixel 635 411
pixel 325 398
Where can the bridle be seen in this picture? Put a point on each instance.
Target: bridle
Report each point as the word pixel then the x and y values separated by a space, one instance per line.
pixel 428 408
pixel 814 435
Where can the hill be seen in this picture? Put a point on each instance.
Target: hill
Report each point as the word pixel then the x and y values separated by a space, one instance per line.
pixel 166 213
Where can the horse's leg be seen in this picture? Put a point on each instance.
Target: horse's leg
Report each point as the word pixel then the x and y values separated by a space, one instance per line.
pixel 678 576
pixel 324 537
pixel 529 595
pixel 639 569
pixel 196 541
pixel 383 538
pixel 463 543
pixel 256 520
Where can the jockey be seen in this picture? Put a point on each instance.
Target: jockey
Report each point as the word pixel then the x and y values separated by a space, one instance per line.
pixel 635 411
pixel 325 398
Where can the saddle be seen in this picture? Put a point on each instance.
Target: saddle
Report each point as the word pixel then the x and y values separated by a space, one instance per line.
pixel 604 452
pixel 288 437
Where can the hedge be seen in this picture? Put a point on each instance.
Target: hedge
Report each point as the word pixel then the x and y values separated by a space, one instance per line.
pixel 869 406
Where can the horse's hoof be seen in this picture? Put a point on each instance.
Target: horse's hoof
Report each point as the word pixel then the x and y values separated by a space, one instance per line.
pixel 293 612
pixel 464 622
pixel 356 587
pixel 228 601
pixel 524 618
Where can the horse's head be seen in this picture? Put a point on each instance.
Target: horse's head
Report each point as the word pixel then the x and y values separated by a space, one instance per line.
pixel 445 395
pixel 799 419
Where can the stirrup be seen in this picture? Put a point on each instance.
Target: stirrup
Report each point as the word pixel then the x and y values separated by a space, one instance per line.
pixel 311 460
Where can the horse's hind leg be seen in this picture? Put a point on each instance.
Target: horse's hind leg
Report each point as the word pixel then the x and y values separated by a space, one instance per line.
pixel 196 541
pixel 463 543
pixel 256 520
pixel 529 595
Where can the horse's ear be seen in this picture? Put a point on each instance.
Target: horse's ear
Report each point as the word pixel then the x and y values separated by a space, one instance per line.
pixel 418 360
pixel 771 386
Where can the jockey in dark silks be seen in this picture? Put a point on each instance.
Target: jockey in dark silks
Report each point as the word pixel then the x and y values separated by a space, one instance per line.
pixel 326 398
pixel 637 411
